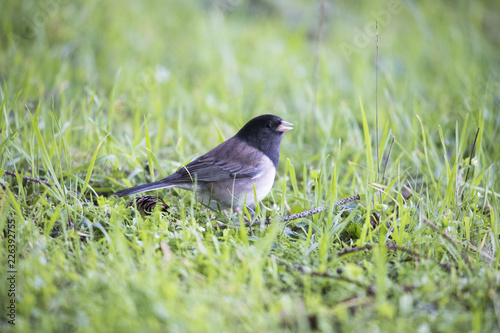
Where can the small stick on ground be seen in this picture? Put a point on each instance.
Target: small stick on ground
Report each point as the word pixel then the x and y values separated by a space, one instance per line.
pixel 306 270
pixel 464 244
pixel 291 217
pixel 30 179
pixel 452 241
pixel 390 246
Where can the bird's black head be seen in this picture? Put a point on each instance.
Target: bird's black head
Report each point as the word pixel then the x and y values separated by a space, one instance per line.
pixel 265 133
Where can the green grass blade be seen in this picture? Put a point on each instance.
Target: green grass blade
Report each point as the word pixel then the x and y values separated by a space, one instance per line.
pixel 368 146
pixel 91 166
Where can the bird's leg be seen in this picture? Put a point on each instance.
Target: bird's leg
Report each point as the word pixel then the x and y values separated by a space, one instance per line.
pixel 237 211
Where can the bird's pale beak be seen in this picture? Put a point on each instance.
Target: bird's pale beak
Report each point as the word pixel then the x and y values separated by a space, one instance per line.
pixel 284 126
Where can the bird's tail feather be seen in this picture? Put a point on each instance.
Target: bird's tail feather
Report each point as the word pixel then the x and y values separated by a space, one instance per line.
pixel 142 188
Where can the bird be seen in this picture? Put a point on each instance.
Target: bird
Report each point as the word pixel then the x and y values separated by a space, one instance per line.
pixel 238 172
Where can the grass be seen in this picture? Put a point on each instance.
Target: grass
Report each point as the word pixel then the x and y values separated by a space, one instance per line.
pixel 100 95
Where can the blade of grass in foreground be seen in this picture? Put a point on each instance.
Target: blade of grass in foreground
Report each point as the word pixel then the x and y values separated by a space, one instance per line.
pixel 425 151
pixel 59 191
pixel 91 166
pixel 368 144
pixel 148 146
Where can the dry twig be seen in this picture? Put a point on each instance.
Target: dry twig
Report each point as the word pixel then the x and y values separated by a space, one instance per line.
pixel 291 217
pixel 30 179
pixel 306 270
pixel 453 242
pixel 390 246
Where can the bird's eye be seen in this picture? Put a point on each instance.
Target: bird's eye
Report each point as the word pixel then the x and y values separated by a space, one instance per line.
pixel 269 125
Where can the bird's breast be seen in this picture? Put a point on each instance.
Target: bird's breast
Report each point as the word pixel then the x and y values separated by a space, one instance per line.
pixel 239 191
pixel 264 180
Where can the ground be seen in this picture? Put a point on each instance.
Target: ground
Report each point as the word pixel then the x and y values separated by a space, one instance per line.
pixel 98 96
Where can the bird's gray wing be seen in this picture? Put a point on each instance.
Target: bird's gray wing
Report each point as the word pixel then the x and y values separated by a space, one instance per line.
pixel 231 159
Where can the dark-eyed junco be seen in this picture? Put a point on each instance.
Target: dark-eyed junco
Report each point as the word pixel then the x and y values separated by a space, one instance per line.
pixel 225 176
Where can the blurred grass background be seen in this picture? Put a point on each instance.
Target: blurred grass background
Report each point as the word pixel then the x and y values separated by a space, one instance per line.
pixel 159 83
